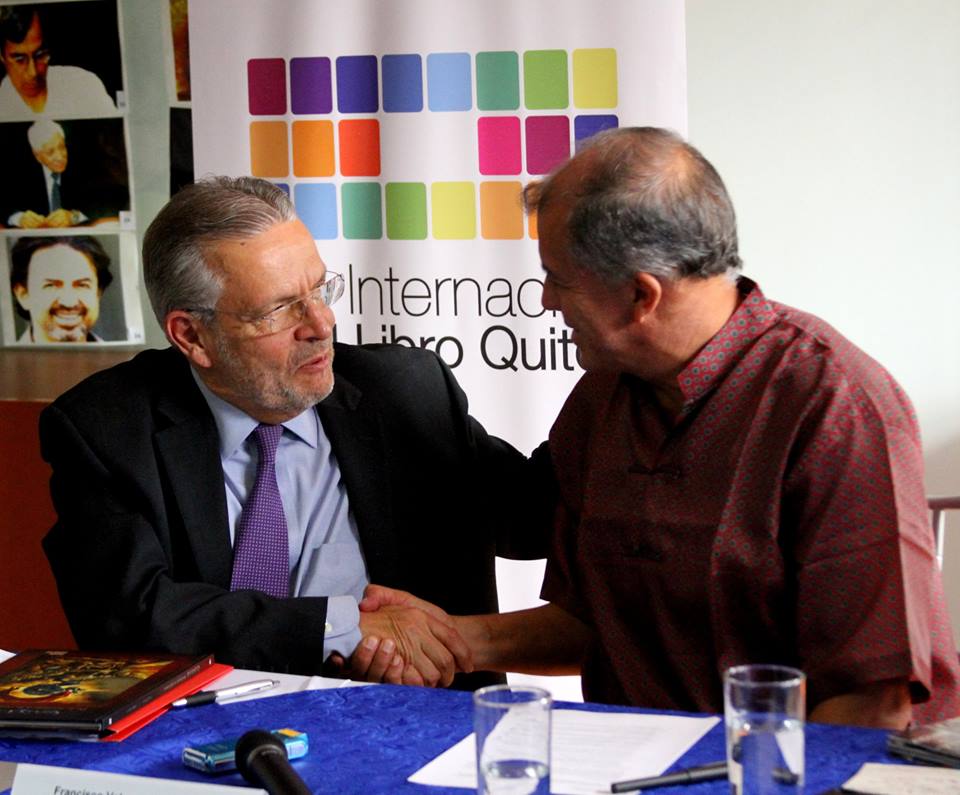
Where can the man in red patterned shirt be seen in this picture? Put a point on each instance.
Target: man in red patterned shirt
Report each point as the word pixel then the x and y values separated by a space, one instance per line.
pixel 738 482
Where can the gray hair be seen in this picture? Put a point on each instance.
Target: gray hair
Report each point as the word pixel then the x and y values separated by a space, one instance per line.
pixel 647 202
pixel 209 211
pixel 42 131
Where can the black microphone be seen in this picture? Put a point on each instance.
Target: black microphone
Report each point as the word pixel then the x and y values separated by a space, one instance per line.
pixel 262 760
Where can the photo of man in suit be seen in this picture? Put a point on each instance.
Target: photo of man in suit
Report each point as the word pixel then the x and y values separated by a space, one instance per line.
pixel 236 492
pixel 57 284
pixel 32 85
pixel 49 146
pixel 63 175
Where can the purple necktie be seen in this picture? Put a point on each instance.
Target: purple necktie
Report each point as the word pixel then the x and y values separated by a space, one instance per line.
pixel 260 557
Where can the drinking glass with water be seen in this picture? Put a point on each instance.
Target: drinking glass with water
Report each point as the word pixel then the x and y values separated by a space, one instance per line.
pixel 764 709
pixel 512 725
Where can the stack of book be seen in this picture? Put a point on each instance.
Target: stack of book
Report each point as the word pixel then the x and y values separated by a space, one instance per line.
pixel 83 695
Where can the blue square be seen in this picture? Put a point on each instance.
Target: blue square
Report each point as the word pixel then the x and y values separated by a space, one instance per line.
pixel 449 85
pixel 316 205
pixel 357 87
pixel 402 83
pixel 585 126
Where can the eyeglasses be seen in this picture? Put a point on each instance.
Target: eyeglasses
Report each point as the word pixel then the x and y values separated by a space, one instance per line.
pixel 290 314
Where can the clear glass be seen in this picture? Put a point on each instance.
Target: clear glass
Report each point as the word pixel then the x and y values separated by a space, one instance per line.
pixel 764 709
pixel 512 725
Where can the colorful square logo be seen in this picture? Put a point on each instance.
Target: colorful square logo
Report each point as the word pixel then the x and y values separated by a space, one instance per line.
pixel 359 147
pixel 357 85
pixel 501 211
pixel 448 81
pixel 313 149
pixel 498 144
pixel 498 81
pixel 454 210
pixel 310 88
pixel 317 208
pixel 269 156
pixel 514 136
pixel 548 142
pixel 362 211
pixel 406 210
pixel 267 86
pixel 402 83
pixel 595 78
pixel 545 80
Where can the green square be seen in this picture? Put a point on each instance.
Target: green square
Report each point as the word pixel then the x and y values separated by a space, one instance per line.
pixel 545 83
pixel 406 210
pixel 362 216
pixel 498 81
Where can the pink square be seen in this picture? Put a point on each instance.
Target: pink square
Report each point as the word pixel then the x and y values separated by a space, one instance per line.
pixel 499 144
pixel 548 143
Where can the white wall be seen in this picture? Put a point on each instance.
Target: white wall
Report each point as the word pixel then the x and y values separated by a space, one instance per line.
pixel 836 126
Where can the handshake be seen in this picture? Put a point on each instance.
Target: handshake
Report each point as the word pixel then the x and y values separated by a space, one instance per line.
pixel 406 640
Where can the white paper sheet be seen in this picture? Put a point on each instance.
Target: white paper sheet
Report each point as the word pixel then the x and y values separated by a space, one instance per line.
pixel 590 750
pixel 881 779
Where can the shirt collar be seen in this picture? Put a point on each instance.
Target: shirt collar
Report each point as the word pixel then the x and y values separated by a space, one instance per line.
pixel 234 425
pixel 717 358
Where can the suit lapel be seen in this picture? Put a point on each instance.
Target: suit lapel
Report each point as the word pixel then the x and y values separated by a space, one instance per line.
pixel 356 436
pixel 189 450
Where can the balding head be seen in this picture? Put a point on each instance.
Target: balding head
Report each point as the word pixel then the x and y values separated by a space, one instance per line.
pixel 641 199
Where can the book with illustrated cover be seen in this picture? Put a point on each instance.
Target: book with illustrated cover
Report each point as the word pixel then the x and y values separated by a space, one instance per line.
pixel 935 743
pixel 81 693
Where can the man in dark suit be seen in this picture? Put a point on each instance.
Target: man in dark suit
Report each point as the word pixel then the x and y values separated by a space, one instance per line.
pixel 56 186
pixel 382 474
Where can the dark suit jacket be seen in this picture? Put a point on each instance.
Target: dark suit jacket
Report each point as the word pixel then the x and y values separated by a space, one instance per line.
pixel 79 190
pixel 141 550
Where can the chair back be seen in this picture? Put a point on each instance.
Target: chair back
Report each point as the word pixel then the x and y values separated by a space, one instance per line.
pixel 938 508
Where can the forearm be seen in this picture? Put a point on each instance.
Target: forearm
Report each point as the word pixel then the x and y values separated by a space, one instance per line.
pixel 544 640
pixel 881 705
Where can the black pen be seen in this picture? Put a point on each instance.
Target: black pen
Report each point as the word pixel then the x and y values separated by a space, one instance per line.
pixel 208 696
pixel 688 776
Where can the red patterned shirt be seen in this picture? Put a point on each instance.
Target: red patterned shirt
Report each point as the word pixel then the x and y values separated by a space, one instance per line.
pixel 780 518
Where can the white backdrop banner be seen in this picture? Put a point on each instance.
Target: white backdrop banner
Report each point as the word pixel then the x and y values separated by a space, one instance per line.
pixel 405 130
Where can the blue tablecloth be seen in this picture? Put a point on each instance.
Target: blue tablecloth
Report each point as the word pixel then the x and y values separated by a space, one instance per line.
pixel 370 739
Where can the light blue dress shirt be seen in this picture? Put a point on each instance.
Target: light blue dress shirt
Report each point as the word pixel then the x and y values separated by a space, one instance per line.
pixel 324 546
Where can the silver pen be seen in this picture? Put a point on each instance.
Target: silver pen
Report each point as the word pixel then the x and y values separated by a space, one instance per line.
pixel 209 696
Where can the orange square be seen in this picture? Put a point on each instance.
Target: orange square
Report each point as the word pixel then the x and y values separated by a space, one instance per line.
pixel 532 225
pixel 268 149
pixel 360 148
pixel 313 149
pixel 501 214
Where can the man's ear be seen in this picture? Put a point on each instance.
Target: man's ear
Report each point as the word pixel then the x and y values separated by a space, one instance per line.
pixel 647 294
pixel 186 333
pixel 20 292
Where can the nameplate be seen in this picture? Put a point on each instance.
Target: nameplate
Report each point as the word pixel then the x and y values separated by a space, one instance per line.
pixel 46 780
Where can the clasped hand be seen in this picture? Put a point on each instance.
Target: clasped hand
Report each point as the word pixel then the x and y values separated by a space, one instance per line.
pixel 407 641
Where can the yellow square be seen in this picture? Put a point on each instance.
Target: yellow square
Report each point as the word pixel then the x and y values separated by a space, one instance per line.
pixel 453 210
pixel 595 78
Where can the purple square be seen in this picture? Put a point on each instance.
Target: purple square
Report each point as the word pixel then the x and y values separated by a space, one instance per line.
pixel 267 86
pixel 357 87
pixel 310 88
pixel 589 125
pixel 498 140
pixel 548 142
